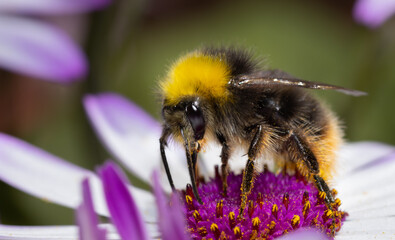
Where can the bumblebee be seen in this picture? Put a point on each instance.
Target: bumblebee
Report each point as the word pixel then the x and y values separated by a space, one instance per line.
pixel 221 95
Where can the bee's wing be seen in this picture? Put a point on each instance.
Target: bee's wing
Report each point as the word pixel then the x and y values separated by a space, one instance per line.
pixel 278 77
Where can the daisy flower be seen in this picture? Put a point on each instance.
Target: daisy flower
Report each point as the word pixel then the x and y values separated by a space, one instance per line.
pixel 373 13
pixel 36 48
pixel 364 184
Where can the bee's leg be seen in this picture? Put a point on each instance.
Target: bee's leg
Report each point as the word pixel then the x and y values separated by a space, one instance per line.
pixel 300 150
pixel 297 146
pixel 163 143
pixel 248 174
pixel 225 154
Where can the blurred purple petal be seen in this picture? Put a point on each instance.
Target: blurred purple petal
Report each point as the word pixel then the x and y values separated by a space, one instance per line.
pixel 130 134
pixel 37 49
pixel 373 13
pixel 87 219
pixel 48 177
pixel 123 210
pixel 305 234
pixel 171 221
pixel 52 7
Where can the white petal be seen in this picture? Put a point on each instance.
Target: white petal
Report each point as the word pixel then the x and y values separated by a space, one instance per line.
pixel 59 232
pixel 43 175
pixel 367 191
pixel 48 232
pixel 370 228
pixel 354 155
pixel 132 136
pixel 42 232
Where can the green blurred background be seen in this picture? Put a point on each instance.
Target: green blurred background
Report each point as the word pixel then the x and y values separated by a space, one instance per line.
pixel 131 44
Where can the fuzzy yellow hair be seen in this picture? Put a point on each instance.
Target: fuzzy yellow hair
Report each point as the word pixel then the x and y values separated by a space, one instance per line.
pixel 196 74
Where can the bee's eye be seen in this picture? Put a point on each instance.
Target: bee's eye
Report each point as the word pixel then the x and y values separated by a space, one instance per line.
pixel 195 117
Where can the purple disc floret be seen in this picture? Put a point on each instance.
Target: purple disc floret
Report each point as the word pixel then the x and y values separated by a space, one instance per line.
pixel 278 204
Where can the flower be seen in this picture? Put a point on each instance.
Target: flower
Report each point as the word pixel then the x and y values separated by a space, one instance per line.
pixel 364 184
pixel 125 215
pixel 278 204
pixel 373 13
pixel 39 49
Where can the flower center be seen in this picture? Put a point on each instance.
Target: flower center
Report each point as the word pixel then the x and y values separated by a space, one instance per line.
pixel 278 204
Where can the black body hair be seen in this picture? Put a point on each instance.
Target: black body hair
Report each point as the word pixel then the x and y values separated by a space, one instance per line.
pixel 240 61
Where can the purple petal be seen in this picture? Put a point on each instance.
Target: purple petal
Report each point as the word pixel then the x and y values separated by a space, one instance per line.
pixel 87 219
pixel 123 210
pixel 48 177
pixel 52 7
pixel 305 234
pixel 373 13
pixel 130 134
pixel 171 221
pixel 40 50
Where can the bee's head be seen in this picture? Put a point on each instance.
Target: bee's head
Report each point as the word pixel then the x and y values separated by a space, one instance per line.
pixel 187 116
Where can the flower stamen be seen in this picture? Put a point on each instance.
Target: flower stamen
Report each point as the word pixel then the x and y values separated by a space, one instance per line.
pixel 219 210
pixel 214 228
pixel 237 233
pixel 295 221
pixel 275 210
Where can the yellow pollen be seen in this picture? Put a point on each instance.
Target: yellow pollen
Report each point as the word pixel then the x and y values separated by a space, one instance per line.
pixel 202 231
pixel 254 235
pixel 328 213
pixel 295 221
pixel 306 208
pixel 275 210
pixel 232 216
pixel 197 216
pixel 272 225
pixel 214 227
pixel 256 221
pixel 188 199
pixel 219 209
pixel 314 221
pixel 334 192
pixel 322 195
pixel 237 232
pixel 338 202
